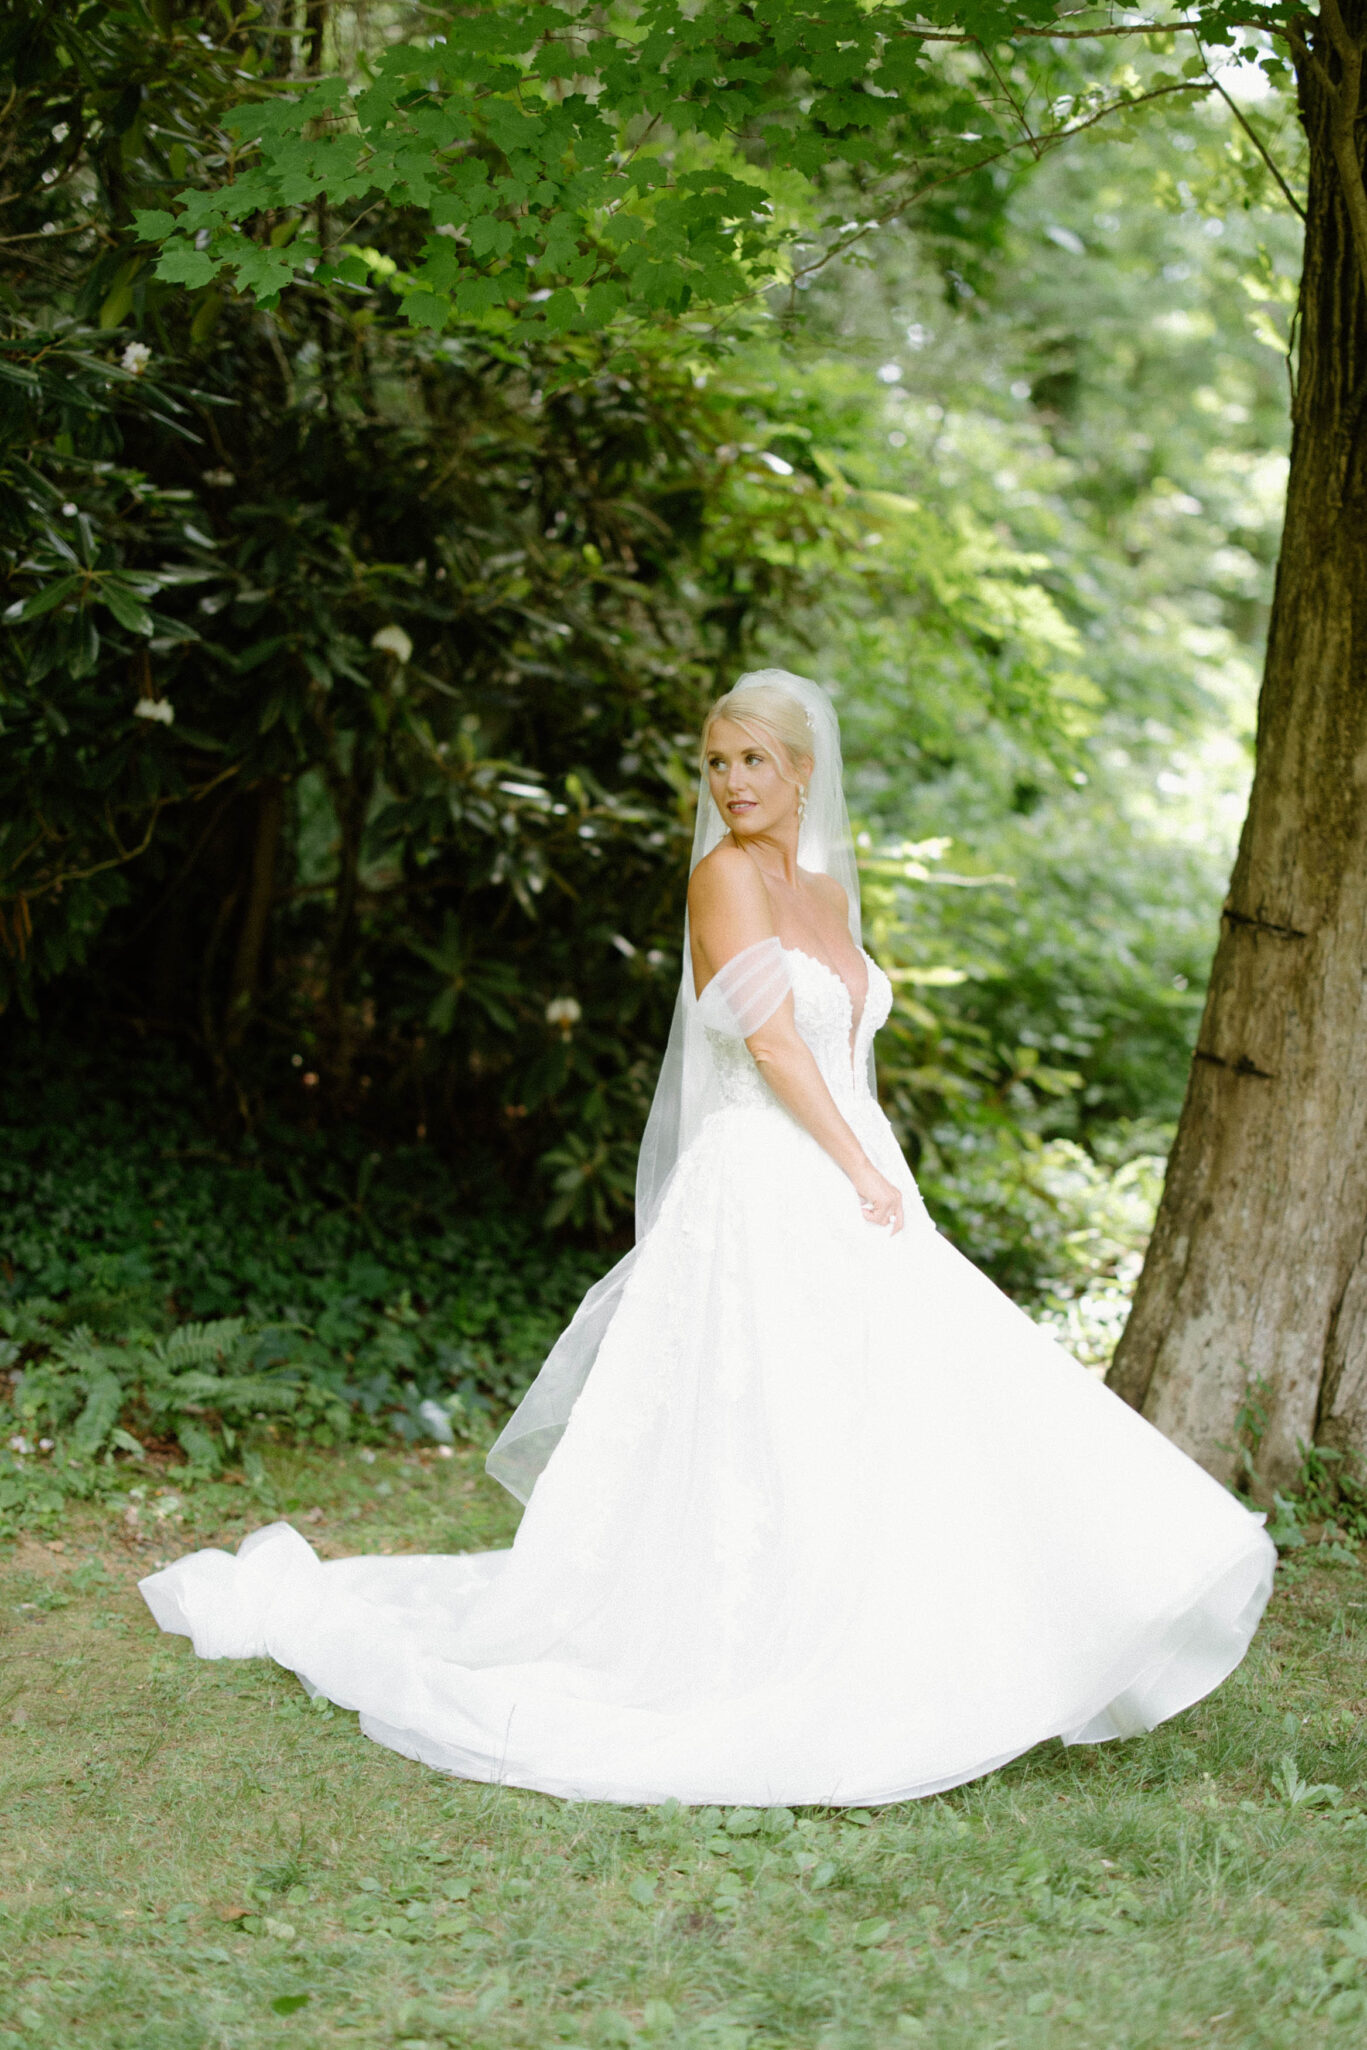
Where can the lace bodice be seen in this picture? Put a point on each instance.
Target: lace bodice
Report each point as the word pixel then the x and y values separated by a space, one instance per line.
pixel 823 1012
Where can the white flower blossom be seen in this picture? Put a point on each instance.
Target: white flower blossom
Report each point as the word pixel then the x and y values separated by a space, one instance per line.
pixel 135 358
pixel 159 709
pixel 394 641
pixel 219 479
pixel 564 1012
pixel 70 509
pixel 20 1445
pixel 436 1420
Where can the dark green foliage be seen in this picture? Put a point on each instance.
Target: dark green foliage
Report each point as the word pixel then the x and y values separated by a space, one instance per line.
pixel 353 670
pixel 125 1212
pixel 347 698
pixel 161 1297
pixel 367 808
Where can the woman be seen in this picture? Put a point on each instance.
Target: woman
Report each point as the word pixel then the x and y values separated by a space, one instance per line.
pixel 829 1520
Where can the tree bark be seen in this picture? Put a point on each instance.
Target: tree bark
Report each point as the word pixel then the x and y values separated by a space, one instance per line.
pixel 316 14
pixel 351 793
pixel 251 935
pixel 1256 1278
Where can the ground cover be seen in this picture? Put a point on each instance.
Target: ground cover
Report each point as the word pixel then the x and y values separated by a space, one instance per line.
pixel 165 1290
pixel 194 1857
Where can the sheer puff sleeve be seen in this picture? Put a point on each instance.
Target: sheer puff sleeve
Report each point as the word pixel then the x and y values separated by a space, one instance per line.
pixel 746 990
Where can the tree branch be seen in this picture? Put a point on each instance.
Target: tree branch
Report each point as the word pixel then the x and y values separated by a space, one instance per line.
pixel 1038 144
pixel 124 855
pixel 1011 101
pixel 44 234
pixel 1345 100
pixel 1301 50
pixel 1052 34
pixel 1252 134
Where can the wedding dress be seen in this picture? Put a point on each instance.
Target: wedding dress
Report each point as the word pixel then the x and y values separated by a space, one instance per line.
pixel 826 1520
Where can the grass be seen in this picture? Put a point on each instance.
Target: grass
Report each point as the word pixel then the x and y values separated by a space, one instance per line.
pixel 194 1857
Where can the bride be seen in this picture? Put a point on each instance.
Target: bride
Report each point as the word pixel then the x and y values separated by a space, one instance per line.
pixel 814 1514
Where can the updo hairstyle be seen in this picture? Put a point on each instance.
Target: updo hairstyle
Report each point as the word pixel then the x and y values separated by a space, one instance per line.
pixel 767 710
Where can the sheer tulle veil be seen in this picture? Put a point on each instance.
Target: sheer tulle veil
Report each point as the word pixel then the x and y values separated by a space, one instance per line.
pixel 684 1093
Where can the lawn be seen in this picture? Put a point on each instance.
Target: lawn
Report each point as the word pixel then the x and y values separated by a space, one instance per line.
pixel 194 1855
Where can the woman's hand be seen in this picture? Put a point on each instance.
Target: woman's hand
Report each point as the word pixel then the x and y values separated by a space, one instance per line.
pixel 879 1199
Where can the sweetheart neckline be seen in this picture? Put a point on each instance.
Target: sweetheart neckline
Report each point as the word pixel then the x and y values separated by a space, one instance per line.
pixel 856 1021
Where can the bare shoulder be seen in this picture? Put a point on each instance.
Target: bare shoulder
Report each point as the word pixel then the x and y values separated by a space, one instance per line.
pixel 723 878
pixel 728 908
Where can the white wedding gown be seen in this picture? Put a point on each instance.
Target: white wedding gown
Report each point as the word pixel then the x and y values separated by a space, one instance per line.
pixel 831 1521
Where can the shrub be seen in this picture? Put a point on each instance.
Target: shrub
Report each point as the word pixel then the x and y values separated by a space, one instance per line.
pixel 163 1296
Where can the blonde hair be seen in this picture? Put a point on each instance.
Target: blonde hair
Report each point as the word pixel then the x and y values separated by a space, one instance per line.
pixel 762 704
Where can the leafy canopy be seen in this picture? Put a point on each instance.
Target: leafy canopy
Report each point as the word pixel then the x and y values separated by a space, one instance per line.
pixel 352 669
pixel 575 166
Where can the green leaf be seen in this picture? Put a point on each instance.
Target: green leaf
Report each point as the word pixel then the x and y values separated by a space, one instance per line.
pixel 289 2003
pixel 103 1402
pixel 45 600
pixel 199 1445
pixel 180 263
pixel 251 120
pixel 425 309
pixel 477 296
pixel 153 224
pixel 742 1822
pixel 260 651
pixel 603 302
pixel 123 603
pixel 561 311
pixel 867 1934
pixel 262 271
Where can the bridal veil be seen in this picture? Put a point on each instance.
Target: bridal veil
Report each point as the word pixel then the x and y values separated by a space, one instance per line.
pixel 737 1000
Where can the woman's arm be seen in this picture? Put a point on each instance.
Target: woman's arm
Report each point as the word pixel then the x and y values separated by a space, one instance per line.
pixel 729 910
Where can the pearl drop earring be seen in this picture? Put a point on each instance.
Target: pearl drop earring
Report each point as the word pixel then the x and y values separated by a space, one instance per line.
pixel 801 802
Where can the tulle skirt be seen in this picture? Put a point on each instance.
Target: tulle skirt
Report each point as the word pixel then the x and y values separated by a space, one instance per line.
pixel 832 1522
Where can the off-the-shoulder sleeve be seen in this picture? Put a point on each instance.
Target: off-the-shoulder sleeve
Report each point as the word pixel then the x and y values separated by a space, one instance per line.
pixel 748 989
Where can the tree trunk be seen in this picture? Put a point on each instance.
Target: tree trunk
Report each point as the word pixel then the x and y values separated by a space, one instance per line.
pixel 316 14
pixel 1255 1284
pixel 351 792
pixel 251 935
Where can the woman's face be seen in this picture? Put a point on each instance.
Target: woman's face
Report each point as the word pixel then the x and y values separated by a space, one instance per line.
pixel 754 793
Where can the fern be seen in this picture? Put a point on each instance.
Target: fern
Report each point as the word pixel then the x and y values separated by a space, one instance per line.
pixel 103 1407
pixel 192 1345
pixel 81 1352
pixel 200 1447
